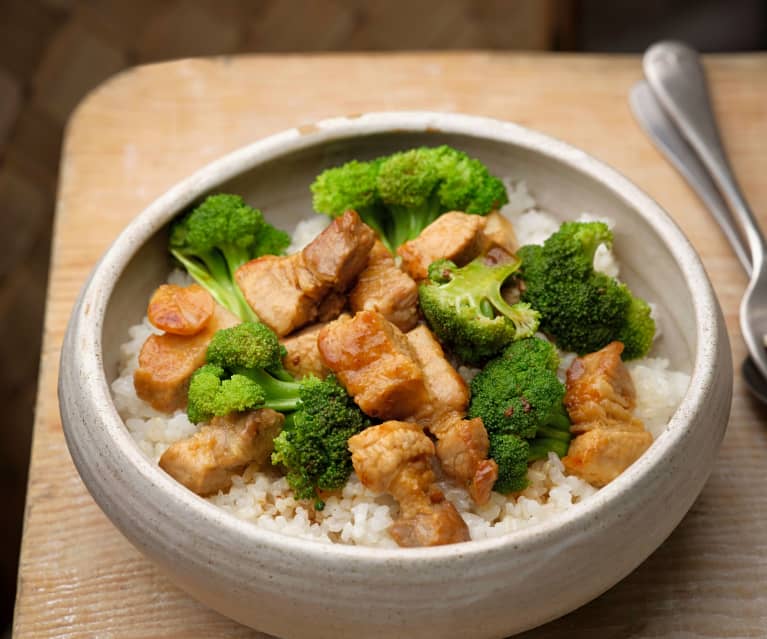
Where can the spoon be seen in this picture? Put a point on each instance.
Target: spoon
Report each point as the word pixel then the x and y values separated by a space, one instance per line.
pixel 676 76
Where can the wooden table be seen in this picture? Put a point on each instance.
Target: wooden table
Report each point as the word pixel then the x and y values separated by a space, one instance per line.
pixel 147 128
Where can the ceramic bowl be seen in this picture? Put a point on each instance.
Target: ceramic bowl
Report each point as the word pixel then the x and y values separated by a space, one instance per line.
pixel 491 588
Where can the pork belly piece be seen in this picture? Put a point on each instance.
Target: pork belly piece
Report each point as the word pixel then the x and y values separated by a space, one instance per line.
pixel 386 289
pixel 599 387
pixel 395 457
pixel 181 310
pixel 167 361
pixel 291 291
pixel 338 254
pixel 462 444
pixel 600 455
pixel 454 236
pixel 600 398
pixel 375 363
pixel 206 462
pixel 499 234
pixel 303 356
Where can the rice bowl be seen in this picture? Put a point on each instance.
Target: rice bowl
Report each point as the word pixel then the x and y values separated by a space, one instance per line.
pixel 229 563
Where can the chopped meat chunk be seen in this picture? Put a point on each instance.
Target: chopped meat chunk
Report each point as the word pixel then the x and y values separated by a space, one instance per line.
pixel 384 288
pixel 462 447
pixel 338 254
pixel 599 387
pixel 600 398
pixel 499 234
pixel 181 310
pixel 375 363
pixel 206 462
pixel 167 361
pixel 454 236
pixel 303 356
pixel 600 455
pixel 462 444
pixel 447 390
pixel 395 457
pixel 288 292
pixel 271 287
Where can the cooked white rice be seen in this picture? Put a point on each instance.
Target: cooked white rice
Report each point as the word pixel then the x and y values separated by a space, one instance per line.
pixel 358 515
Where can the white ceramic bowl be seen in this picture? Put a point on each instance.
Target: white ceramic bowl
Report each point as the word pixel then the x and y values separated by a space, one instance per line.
pixel 491 588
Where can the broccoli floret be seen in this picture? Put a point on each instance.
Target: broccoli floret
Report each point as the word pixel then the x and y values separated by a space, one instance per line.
pixel 519 398
pixel 582 309
pixel 401 194
pixel 465 309
pixel 244 372
pixel 217 237
pixel 312 446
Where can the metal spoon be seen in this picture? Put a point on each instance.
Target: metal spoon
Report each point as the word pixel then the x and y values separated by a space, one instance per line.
pixel 663 132
pixel 677 79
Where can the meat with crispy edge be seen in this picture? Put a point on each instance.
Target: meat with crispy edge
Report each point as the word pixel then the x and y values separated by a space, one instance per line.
pixel 395 457
pixel 375 363
pixel 291 291
pixel 462 444
pixel 600 398
pixel 181 310
pixel 303 354
pixel 206 462
pixel 167 361
pixel 384 287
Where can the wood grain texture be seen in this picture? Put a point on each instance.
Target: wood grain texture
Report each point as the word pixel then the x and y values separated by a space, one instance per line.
pixel 147 128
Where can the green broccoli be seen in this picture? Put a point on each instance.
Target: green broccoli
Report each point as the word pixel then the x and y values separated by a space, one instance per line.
pixel 217 237
pixel 401 194
pixel 465 309
pixel 582 309
pixel 519 398
pixel 244 372
pixel 312 446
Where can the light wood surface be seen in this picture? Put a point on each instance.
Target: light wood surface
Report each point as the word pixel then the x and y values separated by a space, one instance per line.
pixel 147 128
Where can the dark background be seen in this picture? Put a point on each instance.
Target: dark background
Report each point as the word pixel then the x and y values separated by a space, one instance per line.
pixel 52 52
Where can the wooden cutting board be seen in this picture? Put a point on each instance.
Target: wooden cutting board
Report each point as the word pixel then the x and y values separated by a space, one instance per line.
pixel 147 128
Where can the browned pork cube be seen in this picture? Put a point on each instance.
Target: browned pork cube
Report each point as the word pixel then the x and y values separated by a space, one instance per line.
pixel 303 356
pixel 600 455
pixel 447 390
pixel 454 236
pixel 338 254
pixel 395 457
pixel 599 387
pixel 181 310
pixel 384 288
pixel 167 361
pixel 206 462
pixel 499 234
pixel 272 287
pixel 375 363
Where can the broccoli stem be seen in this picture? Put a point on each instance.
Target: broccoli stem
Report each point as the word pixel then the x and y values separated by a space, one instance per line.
pixel 280 395
pixel 541 446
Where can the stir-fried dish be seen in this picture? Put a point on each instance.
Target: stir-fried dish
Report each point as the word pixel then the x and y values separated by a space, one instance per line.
pixel 412 342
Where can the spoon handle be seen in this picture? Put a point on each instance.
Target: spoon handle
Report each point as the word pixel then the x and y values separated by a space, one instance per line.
pixel 676 76
pixel 669 141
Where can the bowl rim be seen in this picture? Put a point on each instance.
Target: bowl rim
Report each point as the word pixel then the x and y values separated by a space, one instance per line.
pixel 94 299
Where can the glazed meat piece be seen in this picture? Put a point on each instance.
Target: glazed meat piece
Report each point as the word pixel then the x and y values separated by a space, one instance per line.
pixel 181 310
pixel 288 292
pixel 600 398
pixel 206 462
pixel 454 236
pixel 167 361
pixel 599 387
pixel 600 455
pixel 499 234
pixel 303 357
pixel 338 254
pixel 384 288
pixel 395 457
pixel 281 290
pixel 375 363
pixel 462 444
